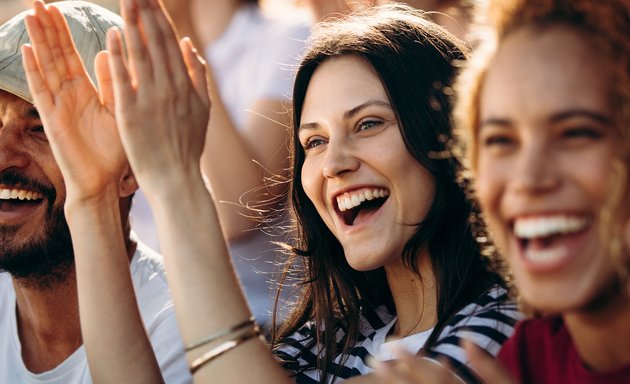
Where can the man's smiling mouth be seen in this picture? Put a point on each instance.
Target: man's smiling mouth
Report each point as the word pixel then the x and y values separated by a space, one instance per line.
pixel 14 198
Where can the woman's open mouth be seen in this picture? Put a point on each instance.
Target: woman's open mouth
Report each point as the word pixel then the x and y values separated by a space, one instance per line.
pixel 357 206
pixel 547 240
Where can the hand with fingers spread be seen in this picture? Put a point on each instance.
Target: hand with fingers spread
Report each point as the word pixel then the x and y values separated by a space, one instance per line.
pixel 73 113
pixel 162 102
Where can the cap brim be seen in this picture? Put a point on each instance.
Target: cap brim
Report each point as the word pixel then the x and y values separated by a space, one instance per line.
pixel 12 78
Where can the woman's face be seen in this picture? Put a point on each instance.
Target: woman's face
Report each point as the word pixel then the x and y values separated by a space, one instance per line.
pixel 364 183
pixel 546 143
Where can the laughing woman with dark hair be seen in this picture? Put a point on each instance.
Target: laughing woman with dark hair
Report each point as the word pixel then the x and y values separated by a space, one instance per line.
pixel 385 246
pixel 383 226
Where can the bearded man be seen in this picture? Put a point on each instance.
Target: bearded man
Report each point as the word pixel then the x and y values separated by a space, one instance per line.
pixel 40 328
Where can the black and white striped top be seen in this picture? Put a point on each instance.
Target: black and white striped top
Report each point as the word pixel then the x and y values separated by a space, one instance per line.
pixel 488 321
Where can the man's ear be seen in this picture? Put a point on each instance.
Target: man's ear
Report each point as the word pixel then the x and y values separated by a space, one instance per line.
pixel 128 184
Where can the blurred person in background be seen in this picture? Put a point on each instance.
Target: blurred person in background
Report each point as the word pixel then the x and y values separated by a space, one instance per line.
pixel 453 15
pixel 549 158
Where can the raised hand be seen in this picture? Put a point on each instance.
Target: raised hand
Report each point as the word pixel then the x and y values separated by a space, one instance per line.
pixel 78 122
pixel 162 102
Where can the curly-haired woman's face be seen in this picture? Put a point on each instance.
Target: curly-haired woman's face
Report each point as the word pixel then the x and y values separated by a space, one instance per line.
pixel 364 183
pixel 546 142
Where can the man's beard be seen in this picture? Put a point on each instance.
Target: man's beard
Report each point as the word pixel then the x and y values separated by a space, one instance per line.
pixel 44 261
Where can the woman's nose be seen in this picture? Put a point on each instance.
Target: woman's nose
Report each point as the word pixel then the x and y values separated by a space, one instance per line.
pixel 536 171
pixel 340 159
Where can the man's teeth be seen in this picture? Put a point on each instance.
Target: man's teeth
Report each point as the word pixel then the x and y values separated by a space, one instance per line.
pixel 354 199
pixel 538 227
pixel 21 194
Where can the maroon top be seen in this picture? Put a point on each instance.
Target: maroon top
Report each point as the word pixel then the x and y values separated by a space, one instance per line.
pixel 541 351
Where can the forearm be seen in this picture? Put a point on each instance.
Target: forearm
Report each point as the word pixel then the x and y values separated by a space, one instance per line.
pixel 230 151
pixel 112 329
pixel 204 287
pixel 257 153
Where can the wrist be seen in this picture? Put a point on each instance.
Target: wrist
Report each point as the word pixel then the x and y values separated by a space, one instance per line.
pixel 174 184
pixel 105 200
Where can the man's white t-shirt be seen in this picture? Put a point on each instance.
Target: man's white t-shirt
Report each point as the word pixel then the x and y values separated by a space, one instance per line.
pixel 156 308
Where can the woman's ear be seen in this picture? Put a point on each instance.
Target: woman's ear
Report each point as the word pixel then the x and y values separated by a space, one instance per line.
pixel 128 184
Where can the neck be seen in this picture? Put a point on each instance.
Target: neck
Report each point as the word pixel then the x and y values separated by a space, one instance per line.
pixel 48 322
pixel 602 335
pixel 415 297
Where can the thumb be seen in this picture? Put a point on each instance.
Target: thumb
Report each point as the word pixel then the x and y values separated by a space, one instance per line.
pixel 487 367
pixel 197 69
pixel 104 78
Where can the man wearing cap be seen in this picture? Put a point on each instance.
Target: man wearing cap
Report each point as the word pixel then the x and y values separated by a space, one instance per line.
pixel 40 326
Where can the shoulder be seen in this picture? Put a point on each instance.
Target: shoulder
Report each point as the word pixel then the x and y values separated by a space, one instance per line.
pixel 535 341
pixel 488 322
pixel 6 286
pixel 158 313
pixel 147 266
pixel 539 332
pixel 7 301
pixel 299 351
pixel 152 291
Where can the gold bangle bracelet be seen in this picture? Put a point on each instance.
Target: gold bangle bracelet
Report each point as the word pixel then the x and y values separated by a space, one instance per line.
pixel 221 349
pixel 217 335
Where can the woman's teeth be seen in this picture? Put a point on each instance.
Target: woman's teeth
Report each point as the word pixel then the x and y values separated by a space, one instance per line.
pixel 353 199
pixel 545 255
pixel 540 227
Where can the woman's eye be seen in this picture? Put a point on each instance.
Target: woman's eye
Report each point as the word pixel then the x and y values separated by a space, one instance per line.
pixel 582 133
pixel 367 124
pixel 496 140
pixel 313 142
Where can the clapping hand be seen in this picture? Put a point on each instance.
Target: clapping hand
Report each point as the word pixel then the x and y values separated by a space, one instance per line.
pixel 78 121
pixel 162 102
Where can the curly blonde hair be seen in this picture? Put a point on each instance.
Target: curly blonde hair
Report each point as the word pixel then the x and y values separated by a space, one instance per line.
pixel 605 26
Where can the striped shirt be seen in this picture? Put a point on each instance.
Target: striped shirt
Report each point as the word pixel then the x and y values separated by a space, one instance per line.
pixel 488 322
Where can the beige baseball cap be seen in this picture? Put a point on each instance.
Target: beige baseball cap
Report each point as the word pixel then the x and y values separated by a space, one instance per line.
pixel 88 25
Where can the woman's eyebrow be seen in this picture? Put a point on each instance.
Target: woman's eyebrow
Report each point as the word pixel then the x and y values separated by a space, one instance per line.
pixel 351 112
pixel 581 112
pixel 307 126
pixel 494 122
pixel 554 118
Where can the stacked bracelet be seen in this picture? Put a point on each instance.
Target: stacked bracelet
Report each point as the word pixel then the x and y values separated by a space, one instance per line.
pixel 236 338
pixel 222 348
pixel 224 332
